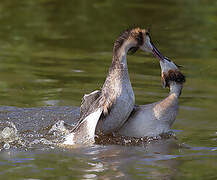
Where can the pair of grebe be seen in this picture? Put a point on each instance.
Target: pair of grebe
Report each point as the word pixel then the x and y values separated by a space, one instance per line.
pixel 112 109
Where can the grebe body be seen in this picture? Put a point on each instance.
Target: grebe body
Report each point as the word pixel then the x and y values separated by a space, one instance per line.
pixel 157 118
pixel 109 108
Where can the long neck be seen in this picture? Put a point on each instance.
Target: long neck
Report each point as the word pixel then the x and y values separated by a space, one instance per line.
pixel 118 72
pixel 119 59
pixel 175 89
pixel 167 109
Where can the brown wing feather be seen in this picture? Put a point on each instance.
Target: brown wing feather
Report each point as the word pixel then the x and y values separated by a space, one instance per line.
pixel 90 102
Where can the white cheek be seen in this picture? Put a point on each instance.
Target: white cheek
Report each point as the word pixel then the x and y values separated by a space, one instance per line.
pixel 147 45
pixel 166 66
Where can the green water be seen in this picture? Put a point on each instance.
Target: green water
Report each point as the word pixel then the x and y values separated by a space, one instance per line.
pixel 52 52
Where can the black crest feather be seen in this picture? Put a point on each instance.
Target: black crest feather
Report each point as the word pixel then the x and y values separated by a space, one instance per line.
pixel 135 33
pixel 119 42
pixel 175 76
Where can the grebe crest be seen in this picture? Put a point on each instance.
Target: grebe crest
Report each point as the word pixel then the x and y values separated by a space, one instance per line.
pixel 137 37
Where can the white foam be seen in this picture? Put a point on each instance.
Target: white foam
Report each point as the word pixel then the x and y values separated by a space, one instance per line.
pixel 69 139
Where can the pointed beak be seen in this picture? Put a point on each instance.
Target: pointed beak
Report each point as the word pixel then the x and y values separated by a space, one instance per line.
pixel 157 53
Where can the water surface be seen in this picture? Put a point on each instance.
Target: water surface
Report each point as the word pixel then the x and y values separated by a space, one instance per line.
pixel 52 52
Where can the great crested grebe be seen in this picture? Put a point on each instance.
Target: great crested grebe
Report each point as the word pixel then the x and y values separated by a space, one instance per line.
pixel 111 106
pixel 157 118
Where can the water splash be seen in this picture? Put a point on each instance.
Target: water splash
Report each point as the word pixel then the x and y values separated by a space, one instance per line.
pixel 9 136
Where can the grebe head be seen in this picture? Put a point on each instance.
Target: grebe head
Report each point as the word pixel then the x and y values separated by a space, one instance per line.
pixel 137 38
pixel 170 72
